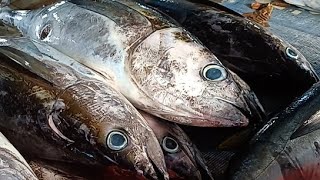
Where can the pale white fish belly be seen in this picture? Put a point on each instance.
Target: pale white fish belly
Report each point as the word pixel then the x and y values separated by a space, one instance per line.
pixel 13 161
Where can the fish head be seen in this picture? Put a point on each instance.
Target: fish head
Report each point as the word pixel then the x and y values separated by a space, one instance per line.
pixel 297 61
pixel 133 146
pixel 187 81
pixel 117 130
pixel 181 155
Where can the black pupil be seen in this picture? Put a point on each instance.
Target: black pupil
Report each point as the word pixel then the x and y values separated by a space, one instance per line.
pixel 292 53
pixel 45 32
pixel 213 73
pixel 171 144
pixel 117 140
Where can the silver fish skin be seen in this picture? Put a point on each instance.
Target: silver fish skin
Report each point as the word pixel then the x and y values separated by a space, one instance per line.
pixel 13 165
pixel 287 147
pixel 158 66
pixel 181 155
pixel 104 110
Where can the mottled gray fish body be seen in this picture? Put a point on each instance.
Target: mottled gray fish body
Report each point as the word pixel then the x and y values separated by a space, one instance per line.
pixel 68 116
pixel 156 65
pixel 13 165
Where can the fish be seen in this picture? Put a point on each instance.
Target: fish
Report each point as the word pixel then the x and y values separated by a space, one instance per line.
pixel 275 71
pixel 64 115
pixel 13 165
pixel 181 155
pixel 157 65
pixel 287 147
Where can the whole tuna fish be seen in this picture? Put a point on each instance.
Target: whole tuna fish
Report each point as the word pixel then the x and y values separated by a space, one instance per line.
pixel 180 153
pixel 13 165
pixel 69 117
pixel 287 147
pixel 156 65
pixel 275 71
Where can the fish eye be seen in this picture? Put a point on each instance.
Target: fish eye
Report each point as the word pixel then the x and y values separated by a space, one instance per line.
pixel 292 54
pixel 45 32
pixel 170 145
pixel 116 140
pixel 213 72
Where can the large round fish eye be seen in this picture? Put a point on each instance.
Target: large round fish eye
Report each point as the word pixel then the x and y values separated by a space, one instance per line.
pixel 116 140
pixel 213 72
pixel 45 32
pixel 170 145
pixel 292 54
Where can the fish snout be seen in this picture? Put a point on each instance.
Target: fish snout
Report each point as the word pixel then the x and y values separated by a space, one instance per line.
pixel 147 158
pixel 148 166
pixel 220 113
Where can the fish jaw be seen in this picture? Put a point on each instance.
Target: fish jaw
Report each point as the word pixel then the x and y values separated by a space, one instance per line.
pixel 147 159
pixel 182 161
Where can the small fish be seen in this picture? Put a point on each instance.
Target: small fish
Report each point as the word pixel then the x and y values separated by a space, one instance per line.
pixel 59 113
pixel 158 66
pixel 12 164
pixel 181 155
pixel 287 147
pixel 276 71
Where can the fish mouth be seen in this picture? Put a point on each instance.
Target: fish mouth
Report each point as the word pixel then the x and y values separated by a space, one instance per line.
pixel 148 165
pixel 231 115
pixel 148 159
pixel 158 170
pixel 256 111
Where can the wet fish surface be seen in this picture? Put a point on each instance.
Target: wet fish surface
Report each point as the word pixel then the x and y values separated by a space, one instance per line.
pixel 181 155
pixel 13 165
pixel 287 147
pixel 158 66
pixel 63 115
pixel 276 71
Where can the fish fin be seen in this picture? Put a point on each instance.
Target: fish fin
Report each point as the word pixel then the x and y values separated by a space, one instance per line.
pixel 306 128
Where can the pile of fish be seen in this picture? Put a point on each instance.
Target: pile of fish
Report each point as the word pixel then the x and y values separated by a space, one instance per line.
pixel 123 84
